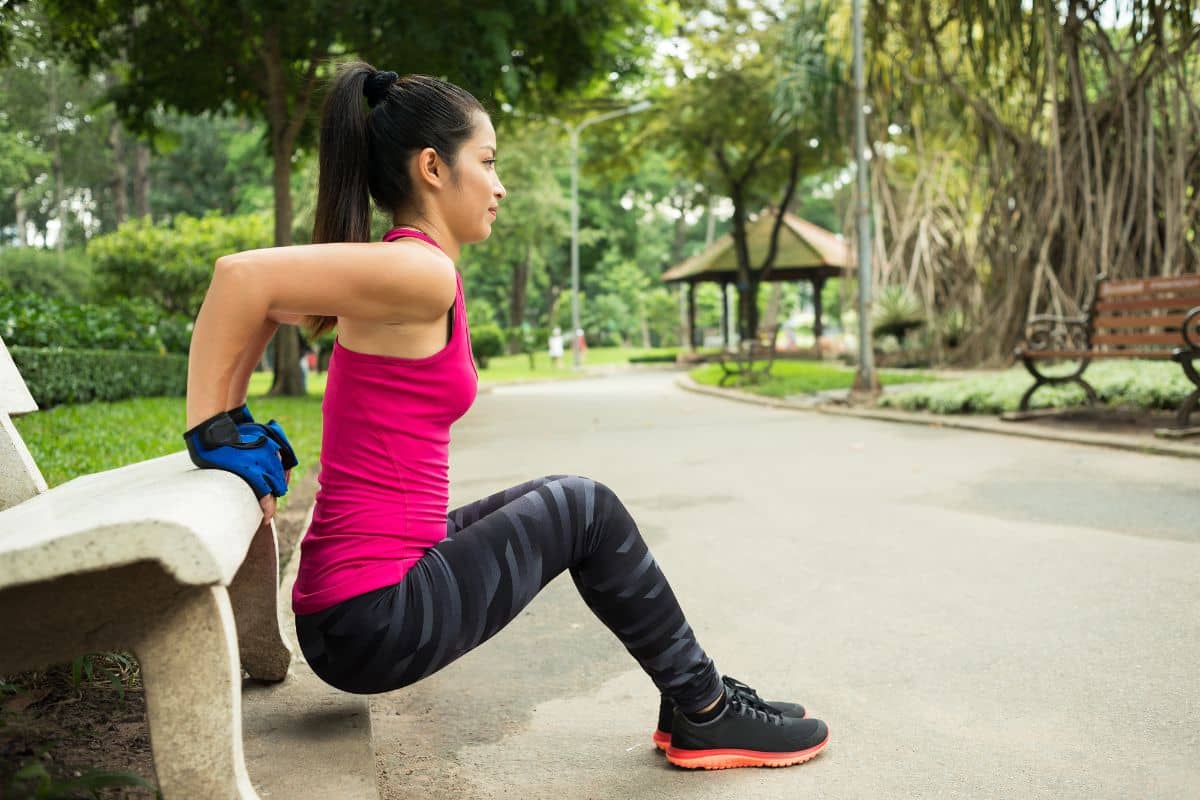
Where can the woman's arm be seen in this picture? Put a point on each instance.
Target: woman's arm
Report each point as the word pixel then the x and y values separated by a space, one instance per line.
pixel 377 281
pixel 240 383
pixel 229 319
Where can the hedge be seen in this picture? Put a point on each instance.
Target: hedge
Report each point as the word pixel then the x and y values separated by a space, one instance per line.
pixel 57 375
pixel 134 324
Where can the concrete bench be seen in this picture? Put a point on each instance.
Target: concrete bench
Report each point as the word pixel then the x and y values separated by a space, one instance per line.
pixel 160 558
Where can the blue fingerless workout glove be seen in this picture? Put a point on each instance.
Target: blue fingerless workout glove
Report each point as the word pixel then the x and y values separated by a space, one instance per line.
pixel 217 443
pixel 246 424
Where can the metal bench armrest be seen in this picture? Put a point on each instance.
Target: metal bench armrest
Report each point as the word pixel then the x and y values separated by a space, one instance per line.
pixel 1191 330
pixel 1053 332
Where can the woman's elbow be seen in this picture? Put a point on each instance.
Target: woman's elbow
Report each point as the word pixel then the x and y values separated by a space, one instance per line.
pixel 235 288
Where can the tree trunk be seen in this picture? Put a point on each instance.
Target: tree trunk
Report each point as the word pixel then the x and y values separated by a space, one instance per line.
pixel 119 174
pixel 680 238
pixel 288 379
pixel 684 338
pixel 552 295
pixel 517 294
pixel 19 203
pixel 141 180
pixel 747 287
pixel 57 167
pixel 773 305
pixel 119 170
pixel 282 148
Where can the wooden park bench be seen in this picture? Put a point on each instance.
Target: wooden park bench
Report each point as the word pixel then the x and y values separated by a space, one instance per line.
pixel 753 358
pixel 1152 318
pixel 160 558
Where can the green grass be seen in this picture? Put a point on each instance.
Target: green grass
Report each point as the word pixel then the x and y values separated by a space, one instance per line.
pixel 804 377
pixel 1146 385
pixel 508 369
pixel 73 440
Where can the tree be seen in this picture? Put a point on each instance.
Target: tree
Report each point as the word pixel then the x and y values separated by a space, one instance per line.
pixel 50 162
pixel 259 60
pixel 1022 149
pixel 756 104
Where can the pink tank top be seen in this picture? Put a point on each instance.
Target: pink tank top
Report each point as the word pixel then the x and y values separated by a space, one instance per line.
pixel 385 461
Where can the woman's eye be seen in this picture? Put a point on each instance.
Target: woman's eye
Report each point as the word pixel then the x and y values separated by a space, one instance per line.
pixel 490 161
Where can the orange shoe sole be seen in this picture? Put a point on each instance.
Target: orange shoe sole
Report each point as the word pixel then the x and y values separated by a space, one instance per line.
pixel 730 759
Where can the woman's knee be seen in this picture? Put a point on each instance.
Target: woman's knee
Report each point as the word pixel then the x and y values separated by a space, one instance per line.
pixel 596 499
pixel 579 484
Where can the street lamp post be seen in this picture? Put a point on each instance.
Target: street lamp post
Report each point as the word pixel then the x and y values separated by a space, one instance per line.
pixel 574 131
pixel 865 381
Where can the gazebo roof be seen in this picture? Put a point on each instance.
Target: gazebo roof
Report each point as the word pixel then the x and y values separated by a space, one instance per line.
pixel 805 251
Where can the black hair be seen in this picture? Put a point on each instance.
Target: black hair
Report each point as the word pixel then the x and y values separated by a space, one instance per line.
pixel 372 124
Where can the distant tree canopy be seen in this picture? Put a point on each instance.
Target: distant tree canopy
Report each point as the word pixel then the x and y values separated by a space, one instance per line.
pixel 1018 148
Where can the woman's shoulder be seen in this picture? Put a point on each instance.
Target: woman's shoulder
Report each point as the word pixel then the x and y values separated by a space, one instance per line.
pixel 425 268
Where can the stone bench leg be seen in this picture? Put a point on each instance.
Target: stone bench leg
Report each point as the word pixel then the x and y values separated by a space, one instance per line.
pixel 189 661
pixel 254 594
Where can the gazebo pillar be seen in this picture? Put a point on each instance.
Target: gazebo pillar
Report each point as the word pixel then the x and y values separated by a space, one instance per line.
pixel 818 285
pixel 725 313
pixel 691 314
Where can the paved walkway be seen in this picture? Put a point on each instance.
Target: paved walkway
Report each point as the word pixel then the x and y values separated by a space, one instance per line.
pixel 973 615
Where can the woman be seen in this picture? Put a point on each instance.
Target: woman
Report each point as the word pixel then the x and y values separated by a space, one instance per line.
pixel 391 586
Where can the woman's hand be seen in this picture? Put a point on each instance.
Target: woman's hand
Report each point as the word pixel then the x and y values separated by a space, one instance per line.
pixel 267 502
pixel 268 506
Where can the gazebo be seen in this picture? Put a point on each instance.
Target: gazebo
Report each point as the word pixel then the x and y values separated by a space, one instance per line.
pixel 806 252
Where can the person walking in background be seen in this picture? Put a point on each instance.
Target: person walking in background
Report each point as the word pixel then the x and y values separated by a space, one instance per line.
pixel 581 343
pixel 556 347
pixel 393 585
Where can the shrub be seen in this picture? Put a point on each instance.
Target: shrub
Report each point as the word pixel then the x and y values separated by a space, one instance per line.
pixel 57 375
pixel 32 269
pixel 486 342
pixel 953 328
pixel 172 266
pixel 1147 385
pixel 897 312
pixel 528 340
pixel 30 320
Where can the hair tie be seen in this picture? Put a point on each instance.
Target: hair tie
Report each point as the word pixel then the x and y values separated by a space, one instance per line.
pixel 376 86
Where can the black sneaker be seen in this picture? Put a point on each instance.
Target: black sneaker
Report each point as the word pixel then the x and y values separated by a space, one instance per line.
pixel 666 710
pixel 748 733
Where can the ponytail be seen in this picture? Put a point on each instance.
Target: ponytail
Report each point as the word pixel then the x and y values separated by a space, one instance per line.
pixel 343 200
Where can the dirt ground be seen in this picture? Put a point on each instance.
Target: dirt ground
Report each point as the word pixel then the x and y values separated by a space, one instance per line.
pixel 71 730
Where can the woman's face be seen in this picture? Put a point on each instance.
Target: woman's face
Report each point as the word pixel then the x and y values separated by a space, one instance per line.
pixel 478 192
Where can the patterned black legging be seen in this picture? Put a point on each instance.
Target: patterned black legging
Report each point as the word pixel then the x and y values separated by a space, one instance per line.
pixel 498 553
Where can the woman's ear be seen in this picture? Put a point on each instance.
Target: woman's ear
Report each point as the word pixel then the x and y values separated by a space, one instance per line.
pixel 430 167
